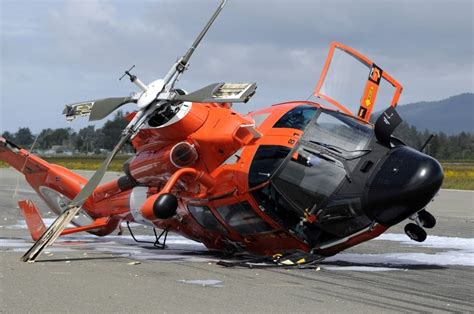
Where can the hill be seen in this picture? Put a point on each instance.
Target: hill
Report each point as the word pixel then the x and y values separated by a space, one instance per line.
pixel 451 116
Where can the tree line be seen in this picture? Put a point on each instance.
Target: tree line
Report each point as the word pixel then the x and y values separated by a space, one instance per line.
pixel 442 146
pixel 92 140
pixel 87 140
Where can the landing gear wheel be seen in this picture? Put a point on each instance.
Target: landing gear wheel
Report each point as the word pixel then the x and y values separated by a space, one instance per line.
pixel 426 219
pixel 415 232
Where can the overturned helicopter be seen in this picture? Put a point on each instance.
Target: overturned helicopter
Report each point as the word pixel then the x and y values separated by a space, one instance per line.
pixel 308 177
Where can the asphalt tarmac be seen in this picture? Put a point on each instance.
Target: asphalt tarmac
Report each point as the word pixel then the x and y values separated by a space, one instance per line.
pixel 86 274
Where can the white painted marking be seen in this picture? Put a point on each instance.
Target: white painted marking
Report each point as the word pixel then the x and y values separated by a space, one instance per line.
pixel 359 268
pixel 444 251
pixel 204 283
pixel 453 251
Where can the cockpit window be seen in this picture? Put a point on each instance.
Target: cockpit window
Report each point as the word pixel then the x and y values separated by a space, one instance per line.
pixel 308 181
pixel 243 219
pixel 296 118
pixel 339 131
pixel 205 218
pixel 266 160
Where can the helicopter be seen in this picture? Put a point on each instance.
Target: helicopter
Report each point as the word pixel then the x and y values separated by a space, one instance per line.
pixel 297 181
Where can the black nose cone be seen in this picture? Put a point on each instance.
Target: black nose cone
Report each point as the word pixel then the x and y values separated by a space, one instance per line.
pixel 405 183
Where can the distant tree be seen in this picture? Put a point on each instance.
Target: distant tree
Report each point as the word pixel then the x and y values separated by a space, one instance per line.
pixel 112 130
pixel 24 137
pixel 49 137
pixel 442 146
pixel 8 136
pixel 86 139
pixel 408 134
pixel 43 138
pixel 435 145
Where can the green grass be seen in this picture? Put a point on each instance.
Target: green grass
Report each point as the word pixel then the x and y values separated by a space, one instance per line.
pixel 457 175
pixel 87 162
pixel 83 162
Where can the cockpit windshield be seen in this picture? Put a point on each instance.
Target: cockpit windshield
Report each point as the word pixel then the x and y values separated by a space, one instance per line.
pixel 339 131
pixel 304 180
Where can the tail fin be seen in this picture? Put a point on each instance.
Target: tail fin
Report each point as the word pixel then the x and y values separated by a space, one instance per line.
pixel 33 218
pixel 57 185
pixel 51 182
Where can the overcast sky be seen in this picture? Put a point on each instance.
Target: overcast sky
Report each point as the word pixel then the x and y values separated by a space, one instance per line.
pixel 58 52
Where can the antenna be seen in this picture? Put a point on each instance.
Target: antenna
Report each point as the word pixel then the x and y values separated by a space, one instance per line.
pixel 127 73
pixel 134 79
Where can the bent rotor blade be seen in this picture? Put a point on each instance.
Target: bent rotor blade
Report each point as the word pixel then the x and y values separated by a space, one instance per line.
pixel 102 108
pixel 221 93
pixel 54 231
pixel 95 109
pixel 201 35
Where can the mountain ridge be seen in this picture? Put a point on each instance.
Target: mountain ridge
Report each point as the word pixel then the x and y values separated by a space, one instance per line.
pixel 452 115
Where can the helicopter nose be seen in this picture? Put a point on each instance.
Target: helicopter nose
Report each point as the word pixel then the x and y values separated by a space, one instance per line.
pixel 405 183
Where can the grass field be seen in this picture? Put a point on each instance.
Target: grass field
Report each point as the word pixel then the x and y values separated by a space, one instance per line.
pixel 457 175
pixel 83 162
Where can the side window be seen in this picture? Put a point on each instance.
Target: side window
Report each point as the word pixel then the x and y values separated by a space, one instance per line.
pixel 296 118
pixel 205 218
pixel 243 219
pixel 265 162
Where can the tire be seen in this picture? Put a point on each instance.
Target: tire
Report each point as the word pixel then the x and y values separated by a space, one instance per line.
pixel 415 232
pixel 426 219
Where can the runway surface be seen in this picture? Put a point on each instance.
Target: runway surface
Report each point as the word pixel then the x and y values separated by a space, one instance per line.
pixel 83 273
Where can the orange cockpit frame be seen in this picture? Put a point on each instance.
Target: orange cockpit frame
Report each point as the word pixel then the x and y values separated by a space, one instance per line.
pixel 369 94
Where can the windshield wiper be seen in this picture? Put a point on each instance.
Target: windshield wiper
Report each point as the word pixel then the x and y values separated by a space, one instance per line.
pixel 328 146
pixel 346 154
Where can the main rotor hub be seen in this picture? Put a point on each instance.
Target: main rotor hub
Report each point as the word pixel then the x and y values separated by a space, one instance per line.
pixel 149 95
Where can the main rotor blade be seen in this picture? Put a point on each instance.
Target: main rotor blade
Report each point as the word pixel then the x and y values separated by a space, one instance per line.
pixel 198 39
pixel 221 93
pixel 93 182
pixel 95 109
pixel 103 107
pixel 54 231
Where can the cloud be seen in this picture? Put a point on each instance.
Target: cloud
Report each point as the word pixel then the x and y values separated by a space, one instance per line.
pixel 75 50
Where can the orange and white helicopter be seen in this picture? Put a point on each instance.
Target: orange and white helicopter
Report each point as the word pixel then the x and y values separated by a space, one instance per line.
pixel 297 179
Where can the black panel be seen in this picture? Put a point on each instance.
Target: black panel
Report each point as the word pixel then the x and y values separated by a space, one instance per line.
pixel 205 218
pixel 243 219
pixel 125 183
pixel 405 184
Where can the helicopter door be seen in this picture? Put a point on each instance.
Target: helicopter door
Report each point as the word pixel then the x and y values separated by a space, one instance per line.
pixel 353 83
